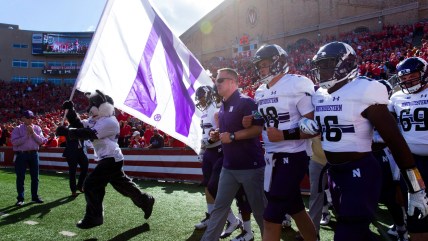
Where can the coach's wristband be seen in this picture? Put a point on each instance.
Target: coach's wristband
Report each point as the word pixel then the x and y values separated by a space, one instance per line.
pixel 413 180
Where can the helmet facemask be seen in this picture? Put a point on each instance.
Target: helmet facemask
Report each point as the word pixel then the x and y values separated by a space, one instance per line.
pixel 203 97
pixel 278 62
pixel 332 68
pixel 412 85
pixel 413 75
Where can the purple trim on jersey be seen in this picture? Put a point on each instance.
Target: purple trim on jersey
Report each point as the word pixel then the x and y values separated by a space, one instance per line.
pixel 240 154
pixel 142 96
pixel 284 117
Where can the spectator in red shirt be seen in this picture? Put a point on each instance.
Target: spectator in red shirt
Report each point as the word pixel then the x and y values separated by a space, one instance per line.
pixel 122 116
pixel 52 141
pixel 125 132
pixel 137 141
pixel 148 133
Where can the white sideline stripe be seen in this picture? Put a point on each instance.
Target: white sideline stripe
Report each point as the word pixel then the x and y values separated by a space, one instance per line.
pixel 68 233
pixel 29 222
pixel 171 170
pixel 175 158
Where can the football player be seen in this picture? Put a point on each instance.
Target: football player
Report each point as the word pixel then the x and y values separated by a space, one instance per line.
pixel 283 99
pixel 211 156
pixel 347 107
pixel 411 108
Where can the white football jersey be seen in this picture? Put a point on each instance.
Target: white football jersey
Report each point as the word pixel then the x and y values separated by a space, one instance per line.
pixel 412 113
pixel 279 106
pixel 107 130
pixel 208 123
pixel 344 129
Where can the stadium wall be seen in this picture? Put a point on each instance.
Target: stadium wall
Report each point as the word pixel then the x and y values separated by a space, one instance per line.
pixel 286 22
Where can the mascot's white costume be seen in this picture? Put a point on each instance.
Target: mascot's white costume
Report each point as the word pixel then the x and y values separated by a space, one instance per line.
pixel 102 128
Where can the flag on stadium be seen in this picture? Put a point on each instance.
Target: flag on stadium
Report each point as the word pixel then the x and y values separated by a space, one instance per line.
pixel 136 59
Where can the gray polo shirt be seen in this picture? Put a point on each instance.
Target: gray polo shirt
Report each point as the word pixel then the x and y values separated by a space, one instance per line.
pixel 240 154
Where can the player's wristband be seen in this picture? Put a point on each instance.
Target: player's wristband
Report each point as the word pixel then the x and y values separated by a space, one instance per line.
pixel 291 134
pixel 413 179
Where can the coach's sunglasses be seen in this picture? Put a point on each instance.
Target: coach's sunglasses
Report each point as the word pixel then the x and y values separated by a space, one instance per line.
pixel 221 80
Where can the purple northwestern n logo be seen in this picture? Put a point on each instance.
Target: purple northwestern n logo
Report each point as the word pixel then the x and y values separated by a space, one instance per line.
pixel 142 96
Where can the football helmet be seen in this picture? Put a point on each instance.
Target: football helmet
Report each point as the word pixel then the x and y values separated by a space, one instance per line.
pixel 204 97
pixel 278 58
pixel 216 97
pixel 334 63
pixel 409 66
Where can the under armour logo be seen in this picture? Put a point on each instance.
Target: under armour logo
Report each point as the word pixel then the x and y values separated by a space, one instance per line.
pixel 231 109
pixel 424 96
pixel 219 150
pixel 356 172
pixel 273 93
pixel 321 101
pixel 285 160
pixel 334 98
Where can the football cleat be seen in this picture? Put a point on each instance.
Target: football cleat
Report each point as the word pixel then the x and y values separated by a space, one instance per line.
pixel 325 219
pixel 86 224
pixel 231 227
pixel 244 236
pixel 286 223
pixel 392 230
pixel 204 222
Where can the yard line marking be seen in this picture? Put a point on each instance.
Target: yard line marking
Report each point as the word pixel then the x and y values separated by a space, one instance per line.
pixel 68 233
pixel 31 222
pixel 3 214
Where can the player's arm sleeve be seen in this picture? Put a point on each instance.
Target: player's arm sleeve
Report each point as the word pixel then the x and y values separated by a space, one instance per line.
pixel 304 89
pixel 375 93
pixel 391 108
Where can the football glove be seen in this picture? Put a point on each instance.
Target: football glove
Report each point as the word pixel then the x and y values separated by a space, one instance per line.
pixel 309 126
pixel 418 200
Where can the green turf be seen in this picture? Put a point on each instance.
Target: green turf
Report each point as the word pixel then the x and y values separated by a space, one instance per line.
pixel 178 207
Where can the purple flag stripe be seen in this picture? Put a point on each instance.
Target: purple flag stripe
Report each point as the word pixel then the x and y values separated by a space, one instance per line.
pixel 142 96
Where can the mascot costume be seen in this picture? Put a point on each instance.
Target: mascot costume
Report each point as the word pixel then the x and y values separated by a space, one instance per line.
pixel 102 128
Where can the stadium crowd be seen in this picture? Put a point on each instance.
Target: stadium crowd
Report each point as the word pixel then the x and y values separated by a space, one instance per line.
pixel 378 54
